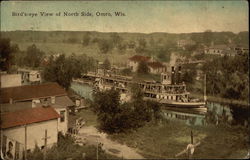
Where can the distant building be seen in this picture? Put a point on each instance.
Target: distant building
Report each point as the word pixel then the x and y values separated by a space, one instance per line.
pixel 10 80
pixel 230 50
pixel 239 49
pixel 133 62
pixel 31 96
pixel 185 42
pixel 28 126
pixel 217 50
pixel 156 67
pixel 30 76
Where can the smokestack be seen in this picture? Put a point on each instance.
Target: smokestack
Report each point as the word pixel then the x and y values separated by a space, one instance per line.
pixel 172 75
pixel 179 75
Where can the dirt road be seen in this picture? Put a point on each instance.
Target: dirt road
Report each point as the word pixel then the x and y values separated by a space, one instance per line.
pixel 91 135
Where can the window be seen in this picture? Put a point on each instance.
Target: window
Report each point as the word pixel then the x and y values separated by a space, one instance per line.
pixel 62 116
pixel 37 76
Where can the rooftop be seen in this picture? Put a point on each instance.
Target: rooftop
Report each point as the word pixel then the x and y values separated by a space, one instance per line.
pixel 138 58
pixel 155 65
pixel 29 92
pixel 27 116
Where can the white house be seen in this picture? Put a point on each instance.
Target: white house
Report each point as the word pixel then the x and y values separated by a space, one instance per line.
pixel 217 50
pixel 31 96
pixel 26 129
pixel 30 76
pixel 10 80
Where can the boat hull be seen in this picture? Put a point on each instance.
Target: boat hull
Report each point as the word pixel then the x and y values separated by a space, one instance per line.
pixel 179 104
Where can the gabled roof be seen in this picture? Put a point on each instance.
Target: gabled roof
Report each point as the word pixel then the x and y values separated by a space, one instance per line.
pixel 138 58
pixel 27 116
pixel 29 92
pixel 220 46
pixel 155 65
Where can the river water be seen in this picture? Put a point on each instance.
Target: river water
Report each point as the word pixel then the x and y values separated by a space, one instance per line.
pixel 216 113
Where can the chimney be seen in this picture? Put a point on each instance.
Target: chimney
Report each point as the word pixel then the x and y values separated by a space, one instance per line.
pixel 179 75
pixel 172 75
pixel 11 101
pixel 53 100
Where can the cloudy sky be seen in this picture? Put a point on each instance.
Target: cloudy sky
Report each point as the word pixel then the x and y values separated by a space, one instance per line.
pixel 141 16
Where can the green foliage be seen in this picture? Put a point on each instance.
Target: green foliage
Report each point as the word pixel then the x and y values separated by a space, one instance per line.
pixel 72 40
pixel 5 54
pixel 116 39
pixel 66 148
pixel 126 72
pixel 86 39
pixel 114 117
pixel 107 64
pixel 142 68
pixel 228 77
pixel 105 46
pixel 142 45
pixel 62 69
pixel 33 56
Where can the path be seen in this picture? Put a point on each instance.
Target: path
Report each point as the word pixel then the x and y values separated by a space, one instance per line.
pixel 92 136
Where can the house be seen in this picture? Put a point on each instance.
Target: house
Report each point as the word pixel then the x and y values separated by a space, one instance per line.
pixel 31 96
pixel 217 50
pixel 28 128
pixel 239 49
pixel 10 80
pixel 30 76
pixel 156 67
pixel 133 62
pixel 185 42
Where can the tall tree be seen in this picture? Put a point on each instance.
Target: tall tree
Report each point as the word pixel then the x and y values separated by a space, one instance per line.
pixel 33 56
pixel 5 54
pixel 143 68
pixel 60 71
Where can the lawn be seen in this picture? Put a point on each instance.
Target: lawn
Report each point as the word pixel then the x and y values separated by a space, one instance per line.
pixel 88 116
pixel 164 141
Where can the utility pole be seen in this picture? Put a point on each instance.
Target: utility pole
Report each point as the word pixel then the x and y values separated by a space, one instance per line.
pixel 45 144
pixel 97 150
pixel 192 142
pixel 25 142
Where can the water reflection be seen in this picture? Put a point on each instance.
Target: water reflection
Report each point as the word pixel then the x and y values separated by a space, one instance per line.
pixel 216 114
pixel 83 90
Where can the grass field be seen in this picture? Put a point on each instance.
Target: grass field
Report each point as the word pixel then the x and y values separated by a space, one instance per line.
pixel 115 57
pixel 167 140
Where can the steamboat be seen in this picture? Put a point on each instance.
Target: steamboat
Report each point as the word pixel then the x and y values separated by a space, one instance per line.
pixel 170 91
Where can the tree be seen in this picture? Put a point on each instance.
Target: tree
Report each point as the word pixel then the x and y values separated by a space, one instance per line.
pixel 116 39
pixel 142 45
pixel 107 64
pixel 143 68
pixel 107 107
pixel 33 56
pixel 105 46
pixel 60 71
pixel 5 54
pixel 86 39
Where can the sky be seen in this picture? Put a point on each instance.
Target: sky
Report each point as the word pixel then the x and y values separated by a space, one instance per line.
pixel 140 16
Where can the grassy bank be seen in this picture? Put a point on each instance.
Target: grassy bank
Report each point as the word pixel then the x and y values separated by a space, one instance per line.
pixel 169 139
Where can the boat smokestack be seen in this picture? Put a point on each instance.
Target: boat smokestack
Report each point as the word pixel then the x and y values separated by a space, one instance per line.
pixel 179 75
pixel 172 75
